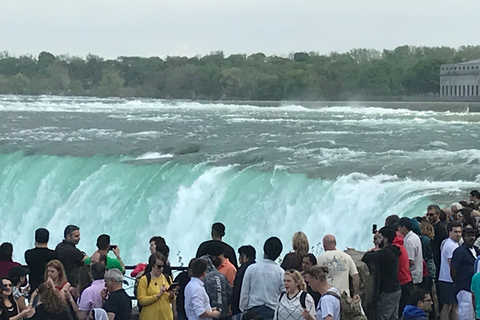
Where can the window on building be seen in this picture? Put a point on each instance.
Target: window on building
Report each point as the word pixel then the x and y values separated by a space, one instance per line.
pixel 455 91
pixel 468 91
pixel 477 90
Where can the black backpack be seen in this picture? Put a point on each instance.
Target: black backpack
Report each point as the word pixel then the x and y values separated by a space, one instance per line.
pixel 303 296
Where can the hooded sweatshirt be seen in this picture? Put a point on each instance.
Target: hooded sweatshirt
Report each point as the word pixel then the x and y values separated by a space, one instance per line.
pixel 387 261
pixel 414 313
pixel 218 289
pixel 404 275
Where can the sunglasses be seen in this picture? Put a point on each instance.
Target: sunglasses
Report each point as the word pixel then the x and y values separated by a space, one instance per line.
pixel 159 266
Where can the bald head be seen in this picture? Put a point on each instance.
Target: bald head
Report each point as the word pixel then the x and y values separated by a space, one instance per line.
pixel 329 242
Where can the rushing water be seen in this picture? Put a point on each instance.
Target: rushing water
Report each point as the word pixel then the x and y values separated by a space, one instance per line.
pixel 138 168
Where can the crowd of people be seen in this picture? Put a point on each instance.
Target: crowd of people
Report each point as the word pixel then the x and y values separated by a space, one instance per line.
pixel 422 268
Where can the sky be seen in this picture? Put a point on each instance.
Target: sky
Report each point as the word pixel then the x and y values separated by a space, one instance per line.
pixel 112 28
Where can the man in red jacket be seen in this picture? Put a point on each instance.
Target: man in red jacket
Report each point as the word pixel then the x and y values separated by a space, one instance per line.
pixel 404 275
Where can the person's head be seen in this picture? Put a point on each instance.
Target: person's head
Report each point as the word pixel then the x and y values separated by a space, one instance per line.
pixel 385 236
pixel 198 268
pixel 443 216
pixel 252 315
pixel 113 280
pixel 293 281
pixel 7 289
pixel 51 299
pixel 156 263
pixel 474 196
pixel 308 261
pixel 97 270
pixel 154 242
pixel 272 248
pixel 218 231
pixel 246 254
pixel 329 242
pixel 300 243
pixel 427 229
pixel 163 249
pixel 17 275
pixel 433 213
pixel 316 278
pixel 215 251
pixel 420 298
pixel 463 203
pixel 72 234
pixel 464 215
pixel 391 220
pixel 42 236
pixel 454 229
pixel 468 235
pixel 404 225
pixel 454 207
pixel 103 242
pixel 6 251
pixel 54 269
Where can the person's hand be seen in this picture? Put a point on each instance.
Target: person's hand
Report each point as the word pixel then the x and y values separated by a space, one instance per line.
pixel 116 251
pixel 104 294
pixel 216 313
pixel 306 315
pixel 25 312
pixel 50 282
pixel 162 291
pixel 356 298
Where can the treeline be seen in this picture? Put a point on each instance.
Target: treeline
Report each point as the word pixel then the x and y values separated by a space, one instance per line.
pixel 359 73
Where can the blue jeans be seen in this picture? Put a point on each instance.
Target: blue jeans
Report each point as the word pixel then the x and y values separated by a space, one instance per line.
pixel 264 311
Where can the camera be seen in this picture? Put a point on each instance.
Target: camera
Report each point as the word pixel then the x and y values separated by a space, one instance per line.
pixel 374 228
pixel 112 247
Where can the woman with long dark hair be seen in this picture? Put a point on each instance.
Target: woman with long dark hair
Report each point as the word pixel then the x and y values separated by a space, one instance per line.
pixel 9 307
pixel 152 291
pixel 6 262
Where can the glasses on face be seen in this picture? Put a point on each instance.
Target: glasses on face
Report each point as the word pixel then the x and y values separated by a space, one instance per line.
pixel 159 266
pixel 459 215
pixel 430 214
pixel 8 285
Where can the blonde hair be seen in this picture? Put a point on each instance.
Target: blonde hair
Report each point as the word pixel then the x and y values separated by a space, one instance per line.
pixel 300 243
pixel 57 264
pixel 427 229
pixel 297 278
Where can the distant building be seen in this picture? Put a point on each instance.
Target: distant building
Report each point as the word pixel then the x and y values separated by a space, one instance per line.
pixel 460 79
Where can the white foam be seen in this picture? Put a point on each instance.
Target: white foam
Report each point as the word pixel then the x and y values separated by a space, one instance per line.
pixel 154 155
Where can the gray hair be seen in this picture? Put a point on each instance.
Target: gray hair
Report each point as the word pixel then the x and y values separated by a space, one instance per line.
pixel 115 275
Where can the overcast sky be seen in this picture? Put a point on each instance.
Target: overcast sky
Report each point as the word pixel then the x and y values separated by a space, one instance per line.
pixel 112 28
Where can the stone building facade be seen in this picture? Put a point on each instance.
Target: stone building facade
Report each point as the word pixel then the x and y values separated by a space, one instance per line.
pixel 460 79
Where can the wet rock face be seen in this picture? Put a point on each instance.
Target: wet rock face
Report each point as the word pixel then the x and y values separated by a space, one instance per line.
pixel 368 283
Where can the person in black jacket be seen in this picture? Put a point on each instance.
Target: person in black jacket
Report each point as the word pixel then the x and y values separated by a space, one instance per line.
pixel 247 257
pixel 386 257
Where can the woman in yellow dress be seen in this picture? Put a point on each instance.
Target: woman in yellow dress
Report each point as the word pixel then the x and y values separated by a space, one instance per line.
pixel 152 291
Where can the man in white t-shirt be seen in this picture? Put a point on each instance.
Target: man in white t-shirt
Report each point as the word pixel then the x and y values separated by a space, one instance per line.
pixel 413 245
pixel 328 307
pixel 340 267
pixel 445 290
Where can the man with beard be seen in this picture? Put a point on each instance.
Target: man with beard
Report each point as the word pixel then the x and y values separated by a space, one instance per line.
pixel 433 216
pixel 387 261
pixel 461 270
